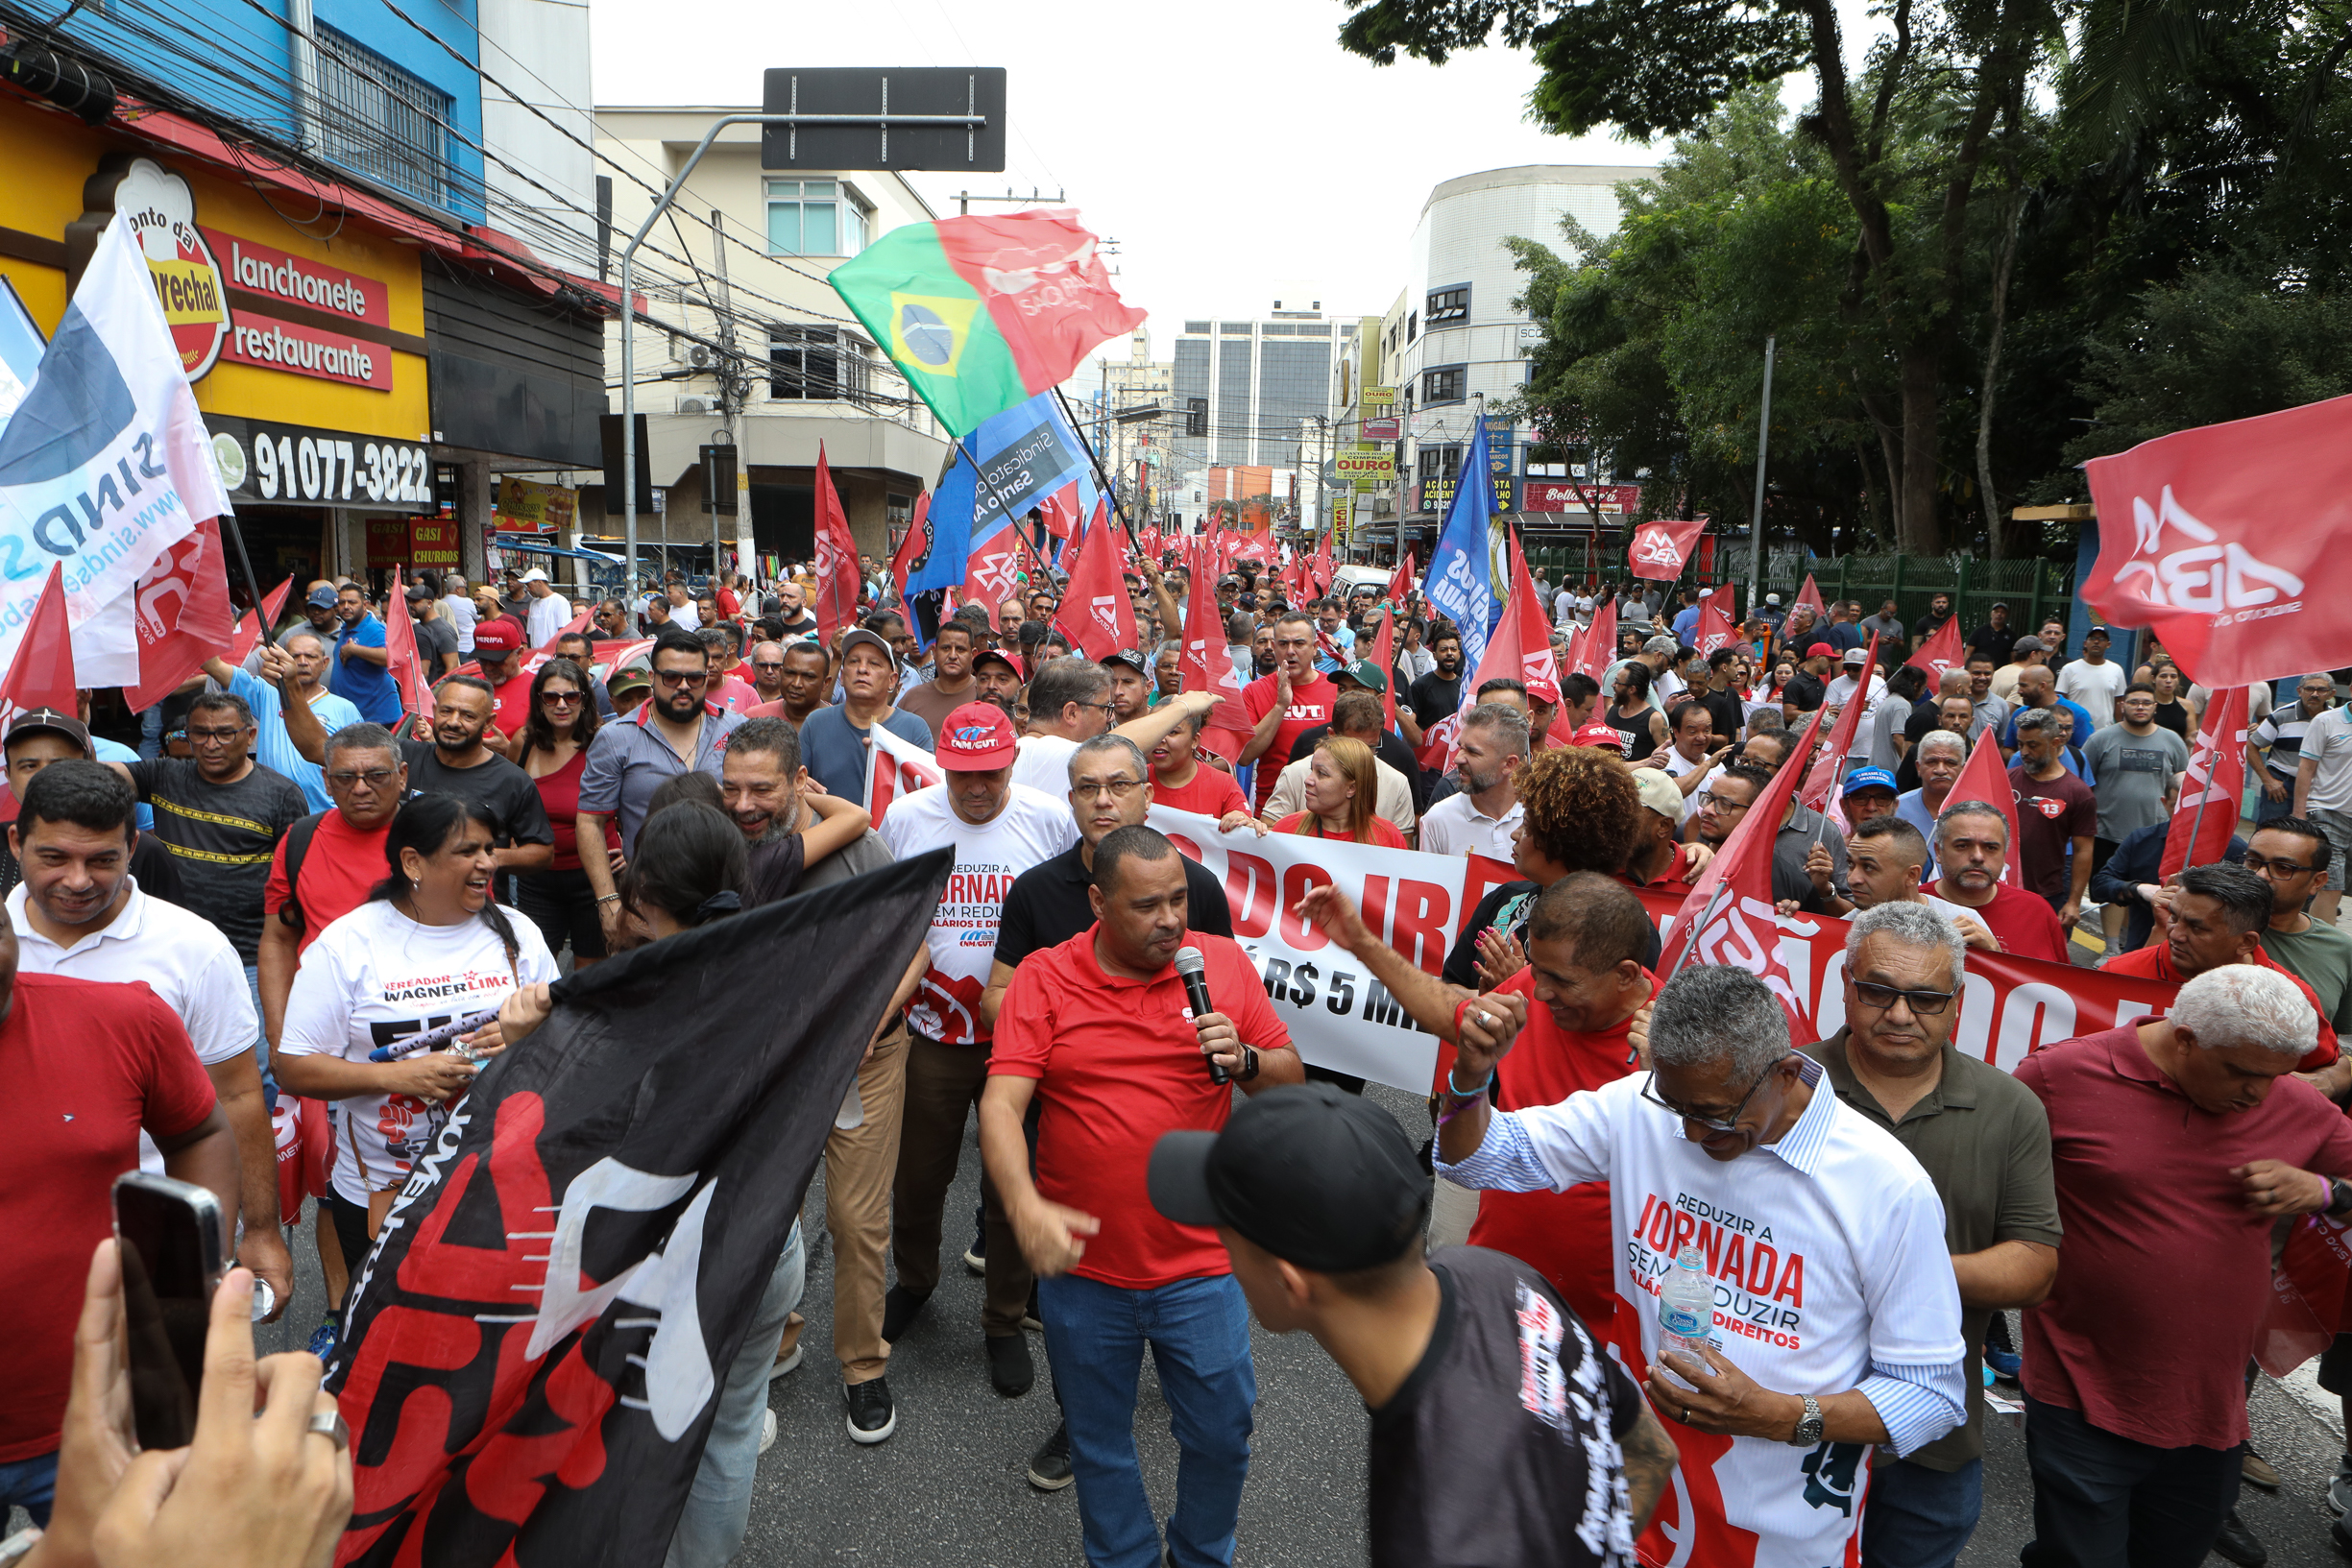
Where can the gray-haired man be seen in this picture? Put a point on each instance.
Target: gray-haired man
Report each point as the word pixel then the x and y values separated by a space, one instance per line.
pixel 1984 1141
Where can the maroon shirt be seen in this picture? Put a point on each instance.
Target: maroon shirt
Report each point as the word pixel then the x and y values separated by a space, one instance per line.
pixel 2050 813
pixel 2166 1273
pixel 2022 921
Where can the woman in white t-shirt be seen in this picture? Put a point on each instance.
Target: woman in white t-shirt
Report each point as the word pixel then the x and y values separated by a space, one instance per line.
pixel 427 948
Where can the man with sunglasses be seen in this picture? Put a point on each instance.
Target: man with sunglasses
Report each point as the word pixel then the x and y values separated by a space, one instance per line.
pixel 677 730
pixel 1836 1310
pixel 2292 854
pixel 1983 1139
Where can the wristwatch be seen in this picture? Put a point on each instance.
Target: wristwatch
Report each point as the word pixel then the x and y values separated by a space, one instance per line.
pixel 2338 1195
pixel 1250 1065
pixel 1809 1425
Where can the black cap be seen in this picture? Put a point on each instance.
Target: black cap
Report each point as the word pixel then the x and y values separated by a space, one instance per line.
pixel 1320 1178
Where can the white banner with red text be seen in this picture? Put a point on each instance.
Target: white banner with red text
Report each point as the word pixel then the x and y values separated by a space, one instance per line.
pixel 1342 1019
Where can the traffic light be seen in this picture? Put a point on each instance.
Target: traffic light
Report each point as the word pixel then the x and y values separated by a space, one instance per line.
pixel 1196 416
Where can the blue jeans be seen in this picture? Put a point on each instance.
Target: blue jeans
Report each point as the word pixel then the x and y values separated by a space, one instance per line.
pixel 717 1511
pixel 1198 1331
pixel 2266 809
pixel 30 1485
pixel 2101 1500
pixel 1918 1517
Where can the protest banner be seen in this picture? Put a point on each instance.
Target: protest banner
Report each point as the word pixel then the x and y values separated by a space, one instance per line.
pixel 895 767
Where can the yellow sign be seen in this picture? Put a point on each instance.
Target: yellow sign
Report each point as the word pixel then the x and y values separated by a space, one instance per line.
pixel 1360 467
pixel 1377 397
pixel 1342 505
pixel 523 503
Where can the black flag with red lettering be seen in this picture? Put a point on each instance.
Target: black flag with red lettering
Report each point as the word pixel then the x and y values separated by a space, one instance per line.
pixel 532 1353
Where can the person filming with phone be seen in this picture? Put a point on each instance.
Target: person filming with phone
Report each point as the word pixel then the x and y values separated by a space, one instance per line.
pixel 1119 1035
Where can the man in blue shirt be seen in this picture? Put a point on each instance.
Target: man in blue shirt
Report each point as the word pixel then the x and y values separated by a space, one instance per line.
pixel 362 673
pixel 1687 619
pixel 289 670
pixel 2038 687
pixel 835 741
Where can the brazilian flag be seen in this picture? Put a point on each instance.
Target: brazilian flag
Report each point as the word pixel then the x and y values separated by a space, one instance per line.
pixel 981 314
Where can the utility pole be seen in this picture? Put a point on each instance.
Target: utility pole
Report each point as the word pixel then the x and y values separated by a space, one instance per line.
pixel 733 386
pixel 1755 518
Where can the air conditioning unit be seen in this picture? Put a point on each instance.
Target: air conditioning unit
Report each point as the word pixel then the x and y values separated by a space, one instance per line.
pixel 697 405
pixel 701 356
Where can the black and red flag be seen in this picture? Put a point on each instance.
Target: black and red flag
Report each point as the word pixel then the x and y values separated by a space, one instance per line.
pixel 532 1353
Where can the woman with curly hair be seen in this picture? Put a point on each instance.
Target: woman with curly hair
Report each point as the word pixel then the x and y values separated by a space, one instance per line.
pixel 1582 811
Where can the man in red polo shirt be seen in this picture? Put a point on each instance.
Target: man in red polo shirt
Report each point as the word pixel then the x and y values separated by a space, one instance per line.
pixel 2217 915
pixel 2134 1365
pixel 1286 704
pixel 1584 985
pixel 88 1066
pixel 1098 1031
pixel 1972 846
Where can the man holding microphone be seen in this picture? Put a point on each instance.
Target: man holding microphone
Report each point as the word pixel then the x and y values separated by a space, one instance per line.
pixel 1100 1031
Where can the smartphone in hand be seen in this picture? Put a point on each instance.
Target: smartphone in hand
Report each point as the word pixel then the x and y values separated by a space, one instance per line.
pixel 169 1236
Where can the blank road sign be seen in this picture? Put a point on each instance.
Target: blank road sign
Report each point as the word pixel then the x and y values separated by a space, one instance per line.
pixel 885 118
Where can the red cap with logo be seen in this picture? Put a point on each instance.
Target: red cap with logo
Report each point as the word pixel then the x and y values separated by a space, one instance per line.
pixel 977 738
pixel 1600 735
pixel 498 635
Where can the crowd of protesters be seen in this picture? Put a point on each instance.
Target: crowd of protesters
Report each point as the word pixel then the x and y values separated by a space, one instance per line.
pixel 598 774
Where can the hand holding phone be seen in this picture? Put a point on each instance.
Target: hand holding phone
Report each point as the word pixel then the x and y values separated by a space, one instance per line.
pixel 170 1237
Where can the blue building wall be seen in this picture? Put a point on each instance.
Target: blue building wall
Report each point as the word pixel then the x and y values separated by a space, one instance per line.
pixel 235 59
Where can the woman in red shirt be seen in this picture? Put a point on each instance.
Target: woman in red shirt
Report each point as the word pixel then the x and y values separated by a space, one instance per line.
pixel 1342 797
pixel 552 748
pixel 1179 778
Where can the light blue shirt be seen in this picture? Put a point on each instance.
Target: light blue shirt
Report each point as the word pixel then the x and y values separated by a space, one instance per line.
pixel 275 748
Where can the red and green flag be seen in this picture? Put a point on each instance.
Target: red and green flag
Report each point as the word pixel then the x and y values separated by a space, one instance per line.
pixel 984 313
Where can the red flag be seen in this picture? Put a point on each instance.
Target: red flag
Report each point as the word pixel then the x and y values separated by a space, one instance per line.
pixel 1986 778
pixel 249 630
pixel 1810 597
pixel 1599 648
pixel 409 672
pixel 1538 668
pixel 1659 548
pixel 1400 582
pixel 1060 511
pixel 1207 669
pixel 914 546
pixel 43 673
pixel 2194 542
pixel 1941 652
pixel 989 572
pixel 1384 659
pixel 1728 917
pixel 1714 629
pixel 836 559
pixel 184 616
pixel 1095 614
pixel 1822 781
pixel 2210 796
pixel 1043 285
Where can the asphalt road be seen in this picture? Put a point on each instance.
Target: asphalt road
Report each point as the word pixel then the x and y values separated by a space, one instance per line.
pixel 949 1489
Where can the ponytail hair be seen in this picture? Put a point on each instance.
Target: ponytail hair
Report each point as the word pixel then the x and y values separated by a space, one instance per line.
pixel 426 823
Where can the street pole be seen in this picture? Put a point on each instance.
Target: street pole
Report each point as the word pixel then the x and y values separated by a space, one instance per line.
pixel 628 295
pixel 1755 518
pixel 728 372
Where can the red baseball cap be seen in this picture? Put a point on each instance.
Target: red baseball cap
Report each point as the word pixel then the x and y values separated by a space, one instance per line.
pixel 1600 735
pixel 498 635
pixel 977 738
pixel 1819 650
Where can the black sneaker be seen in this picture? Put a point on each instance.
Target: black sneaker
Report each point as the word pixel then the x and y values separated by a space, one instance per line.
pixel 1010 1367
pixel 898 1310
pixel 2237 1544
pixel 1049 1468
pixel 872 1417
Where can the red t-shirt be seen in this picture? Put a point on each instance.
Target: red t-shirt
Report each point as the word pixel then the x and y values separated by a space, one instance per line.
pixel 2154 962
pixel 2166 1273
pixel 1384 833
pixel 560 793
pixel 338 869
pixel 1310 706
pixel 2049 815
pixel 1117 1064
pixel 1562 1236
pixel 728 604
pixel 1212 793
pixel 87 1066
pixel 510 703
pixel 2023 923
pixel 733 693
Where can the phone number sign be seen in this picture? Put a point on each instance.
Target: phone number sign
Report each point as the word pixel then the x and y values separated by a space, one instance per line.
pixel 297 465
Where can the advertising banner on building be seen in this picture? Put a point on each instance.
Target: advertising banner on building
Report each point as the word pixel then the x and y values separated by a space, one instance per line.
pixel 524 504
pixel 1568 495
pixel 1364 469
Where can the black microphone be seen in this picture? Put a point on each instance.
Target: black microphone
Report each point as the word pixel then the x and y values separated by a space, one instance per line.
pixel 1189 964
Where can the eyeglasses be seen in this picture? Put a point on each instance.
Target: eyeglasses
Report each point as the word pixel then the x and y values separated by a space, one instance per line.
pixel 377 778
pixel 1923 1004
pixel 681 678
pixel 772 666
pixel 2263 866
pixel 1116 789
pixel 1726 1123
pixel 561 699
pixel 1707 798
pixel 221 737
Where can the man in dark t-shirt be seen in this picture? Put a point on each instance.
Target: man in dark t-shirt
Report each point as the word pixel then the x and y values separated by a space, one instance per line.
pixel 220 813
pixel 1480 1452
pixel 457 762
pixel 1437 694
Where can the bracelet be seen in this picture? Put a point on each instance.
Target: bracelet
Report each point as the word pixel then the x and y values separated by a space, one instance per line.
pixel 1250 1065
pixel 1459 1093
pixel 607 898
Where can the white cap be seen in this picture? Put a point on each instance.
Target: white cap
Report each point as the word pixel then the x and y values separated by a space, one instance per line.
pixel 534 575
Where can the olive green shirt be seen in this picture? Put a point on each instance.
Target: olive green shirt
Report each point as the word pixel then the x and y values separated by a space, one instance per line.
pixel 1983 1139
pixel 2321 958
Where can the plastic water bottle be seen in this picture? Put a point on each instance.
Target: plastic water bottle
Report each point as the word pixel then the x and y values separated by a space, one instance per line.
pixel 1687 1308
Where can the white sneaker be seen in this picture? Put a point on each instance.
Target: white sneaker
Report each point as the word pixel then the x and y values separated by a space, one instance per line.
pixel 2340 1487
pixel 767 1431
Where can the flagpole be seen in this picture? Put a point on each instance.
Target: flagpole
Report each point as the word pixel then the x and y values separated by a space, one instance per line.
pixel 1070 416
pixel 253 584
pixel 955 451
pixel 2204 797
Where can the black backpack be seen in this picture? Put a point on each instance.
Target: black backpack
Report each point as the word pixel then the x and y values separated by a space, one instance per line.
pixel 298 846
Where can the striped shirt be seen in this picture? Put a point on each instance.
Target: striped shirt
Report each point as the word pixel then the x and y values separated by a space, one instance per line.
pixel 1828 1252
pixel 2282 732
pixel 221 834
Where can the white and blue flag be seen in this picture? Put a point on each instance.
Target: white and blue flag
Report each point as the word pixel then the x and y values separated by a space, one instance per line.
pixel 1461 583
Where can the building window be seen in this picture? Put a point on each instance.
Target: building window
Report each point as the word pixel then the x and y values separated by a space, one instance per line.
pixel 1196 327
pixel 1441 462
pixel 1443 385
pixel 1413 326
pixel 815 363
pixel 814 217
pixel 1234 329
pixel 1450 306
pixel 381 121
